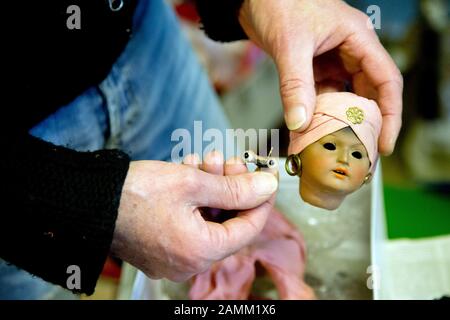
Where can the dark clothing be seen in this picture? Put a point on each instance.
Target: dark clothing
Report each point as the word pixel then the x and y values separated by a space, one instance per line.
pixel 63 203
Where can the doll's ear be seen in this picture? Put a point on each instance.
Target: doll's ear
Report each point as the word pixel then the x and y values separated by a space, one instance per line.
pixel 293 165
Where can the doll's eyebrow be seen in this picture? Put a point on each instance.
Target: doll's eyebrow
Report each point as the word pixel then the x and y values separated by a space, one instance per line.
pixel 357 144
pixel 353 145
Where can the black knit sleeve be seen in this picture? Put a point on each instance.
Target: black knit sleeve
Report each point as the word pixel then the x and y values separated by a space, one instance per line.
pixel 219 19
pixel 59 208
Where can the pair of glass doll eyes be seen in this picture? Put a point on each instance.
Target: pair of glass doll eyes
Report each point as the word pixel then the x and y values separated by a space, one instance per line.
pixel 293 163
pixel 331 146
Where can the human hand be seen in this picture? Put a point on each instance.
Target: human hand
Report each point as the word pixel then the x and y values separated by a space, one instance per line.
pixel 214 164
pixel 278 251
pixel 318 41
pixel 160 229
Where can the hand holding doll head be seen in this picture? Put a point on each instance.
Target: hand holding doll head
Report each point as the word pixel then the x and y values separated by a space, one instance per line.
pixel 338 152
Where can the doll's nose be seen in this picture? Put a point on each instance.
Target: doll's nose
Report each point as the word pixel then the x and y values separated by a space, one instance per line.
pixel 343 156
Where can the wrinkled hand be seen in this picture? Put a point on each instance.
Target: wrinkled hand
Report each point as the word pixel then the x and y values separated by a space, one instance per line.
pixel 315 42
pixel 214 164
pixel 278 251
pixel 160 229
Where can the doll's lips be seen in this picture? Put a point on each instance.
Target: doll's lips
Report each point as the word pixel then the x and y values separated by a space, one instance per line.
pixel 341 172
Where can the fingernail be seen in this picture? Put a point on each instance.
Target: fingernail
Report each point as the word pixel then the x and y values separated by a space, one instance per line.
pixel 391 146
pixel 264 183
pixel 392 142
pixel 295 117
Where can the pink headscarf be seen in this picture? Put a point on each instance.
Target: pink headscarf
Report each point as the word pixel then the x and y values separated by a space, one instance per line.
pixel 337 110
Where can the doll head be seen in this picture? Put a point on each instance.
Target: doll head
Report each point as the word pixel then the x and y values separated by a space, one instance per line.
pixel 338 152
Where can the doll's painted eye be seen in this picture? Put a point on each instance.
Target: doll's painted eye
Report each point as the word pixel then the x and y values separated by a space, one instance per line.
pixel 329 146
pixel 357 154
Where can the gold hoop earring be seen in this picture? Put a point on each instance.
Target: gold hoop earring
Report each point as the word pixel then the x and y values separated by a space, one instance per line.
pixel 367 178
pixel 293 165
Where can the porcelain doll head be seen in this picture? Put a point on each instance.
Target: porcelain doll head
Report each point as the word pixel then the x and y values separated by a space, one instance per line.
pixel 338 152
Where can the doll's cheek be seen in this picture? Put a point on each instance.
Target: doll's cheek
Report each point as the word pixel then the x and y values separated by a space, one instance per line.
pixel 319 166
pixel 358 176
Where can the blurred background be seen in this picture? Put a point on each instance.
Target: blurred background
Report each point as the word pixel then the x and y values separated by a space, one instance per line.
pixel 417 176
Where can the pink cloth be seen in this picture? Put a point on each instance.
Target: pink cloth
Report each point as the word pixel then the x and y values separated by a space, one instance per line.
pixel 279 249
pixel 338 110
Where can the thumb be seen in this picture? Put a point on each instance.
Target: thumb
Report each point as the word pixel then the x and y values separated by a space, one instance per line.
pixel 235 192
pixel 298 95
pixel 230 236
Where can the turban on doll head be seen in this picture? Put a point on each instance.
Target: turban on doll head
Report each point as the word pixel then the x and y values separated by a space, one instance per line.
pixel 337 110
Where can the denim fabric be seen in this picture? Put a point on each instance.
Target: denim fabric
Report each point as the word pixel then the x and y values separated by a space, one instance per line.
pixel 156 86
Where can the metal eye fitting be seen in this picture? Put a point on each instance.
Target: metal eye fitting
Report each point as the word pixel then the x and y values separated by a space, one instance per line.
pixel 260 161
pixel 250 156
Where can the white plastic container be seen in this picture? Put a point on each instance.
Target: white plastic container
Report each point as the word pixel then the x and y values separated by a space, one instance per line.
pixel 344 246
